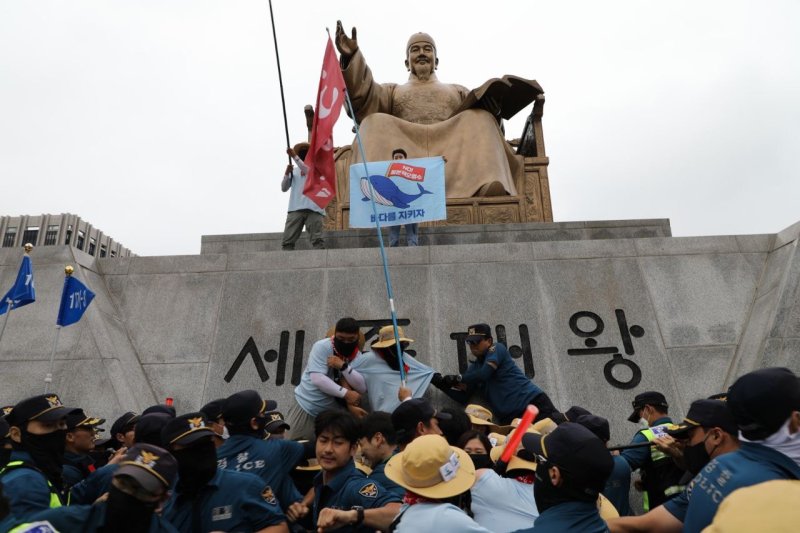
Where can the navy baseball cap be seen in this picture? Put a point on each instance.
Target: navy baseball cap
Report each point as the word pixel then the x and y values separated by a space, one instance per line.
pixel 242 406
pixel 213 409
pixel 578 451
pixel 646 398
pixel 478 332
pixel 44 408
pixel 763 400
pixel 186 429
pixel 707 414
pixel 153 467
pixel 128 419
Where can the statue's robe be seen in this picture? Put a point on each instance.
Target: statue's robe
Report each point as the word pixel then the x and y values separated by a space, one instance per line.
pixel 429 118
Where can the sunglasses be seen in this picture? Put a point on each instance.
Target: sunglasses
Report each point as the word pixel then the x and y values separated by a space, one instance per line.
pixel 473 343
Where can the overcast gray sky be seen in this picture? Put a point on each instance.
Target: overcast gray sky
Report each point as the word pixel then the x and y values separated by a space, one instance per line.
pixel 160 120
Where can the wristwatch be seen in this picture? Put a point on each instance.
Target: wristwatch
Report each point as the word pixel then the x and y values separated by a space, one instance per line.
pixel 359 514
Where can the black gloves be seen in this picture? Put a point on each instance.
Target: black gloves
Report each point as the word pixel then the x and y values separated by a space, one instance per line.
pixel 445 382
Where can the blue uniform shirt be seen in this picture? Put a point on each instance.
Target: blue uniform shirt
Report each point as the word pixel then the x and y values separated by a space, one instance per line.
pixel 750 465
pixel 271 460
pixel 90 518
pixel 506 388
pixel 569 516
pixel 378 474
pixel 95 485
pixel 76 468
pixel 231 501
pixel 618 486
pixel 349 487
pixel 639 457
pixel 27 489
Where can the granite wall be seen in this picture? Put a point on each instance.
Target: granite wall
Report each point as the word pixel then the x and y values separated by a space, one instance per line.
pixel 681 315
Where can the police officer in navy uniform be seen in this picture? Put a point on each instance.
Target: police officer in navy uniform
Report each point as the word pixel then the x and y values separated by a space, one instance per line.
pixel 572 466
pixel 497 377
pixel 80 439
pixel 122 430
pixel 661 477
pixel 210 499
pixel 139 487
pixel 245 415
pixel 33 477
pixel 340 485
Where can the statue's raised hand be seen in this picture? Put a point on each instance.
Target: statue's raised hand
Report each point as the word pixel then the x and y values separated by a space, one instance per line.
pixel 347 46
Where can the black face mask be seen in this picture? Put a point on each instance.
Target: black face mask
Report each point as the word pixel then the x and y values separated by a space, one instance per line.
pixel 389 356
pixel 47 452
pixel 481 460
pixel 345 349
pixel 696 457
pixel 548 495
pixel 126 514
pixel 197 464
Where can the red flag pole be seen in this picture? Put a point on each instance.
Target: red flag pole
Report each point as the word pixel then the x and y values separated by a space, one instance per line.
pixel 280 78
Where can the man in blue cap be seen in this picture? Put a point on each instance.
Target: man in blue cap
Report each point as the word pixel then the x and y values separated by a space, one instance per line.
pixel 210 499
pixel 497 377
pixel 139 487
pixel 33 477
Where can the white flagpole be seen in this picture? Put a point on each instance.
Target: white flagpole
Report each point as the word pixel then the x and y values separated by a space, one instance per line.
pixel 68 270
pixel 49 378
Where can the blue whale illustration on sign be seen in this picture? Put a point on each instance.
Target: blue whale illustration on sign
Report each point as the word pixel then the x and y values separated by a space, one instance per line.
pixel 388 193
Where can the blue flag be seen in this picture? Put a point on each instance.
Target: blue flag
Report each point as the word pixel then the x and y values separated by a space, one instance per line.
pixel 22 293
pixel 405 191
pixel 74 301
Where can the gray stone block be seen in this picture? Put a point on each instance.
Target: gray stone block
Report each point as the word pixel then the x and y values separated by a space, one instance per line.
pixel 178 264
pixel 296 260
pixel 172 318
pixel 583 249
pixel 775 269
pixel 750 346
pixel 699 371
pixel 700 299
pixel 788 235
pixel 687 245
pixel 181 382
pixel 755 243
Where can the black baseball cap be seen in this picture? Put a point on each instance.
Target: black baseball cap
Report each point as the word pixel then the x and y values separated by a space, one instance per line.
pixel 646 398
pixel 148 428
pixel 44 408
pixel 242 406
pixel 409 413
pixel 128 419
pixel 275 421
pixel 578 451
pixel 478 332
pixel 78 419
pixel 153 467
pixel 6 409
pixel 213 409
pixel 186 429
pixel 570 415
pixel 160 408
pixel 707 414
pixel 763 400
pixel 597 425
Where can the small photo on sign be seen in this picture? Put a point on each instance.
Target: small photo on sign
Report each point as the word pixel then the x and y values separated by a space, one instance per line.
pixel 404 192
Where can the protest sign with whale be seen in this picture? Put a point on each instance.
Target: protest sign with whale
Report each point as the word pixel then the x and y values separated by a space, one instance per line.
pixel 404 192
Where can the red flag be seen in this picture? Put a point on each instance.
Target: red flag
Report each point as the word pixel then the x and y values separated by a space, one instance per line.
pixel 320 185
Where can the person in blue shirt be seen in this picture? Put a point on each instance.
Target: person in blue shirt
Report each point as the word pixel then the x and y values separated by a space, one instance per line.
pixel 32 478
pixel 495 374
pixel 302 210
pixel 339 485
pixel 765 405
pixel 210 499
pixel 661 476
pixel 81 431
pixel 572 466
pixel 247 451
pixel 139 486
pixel 378 443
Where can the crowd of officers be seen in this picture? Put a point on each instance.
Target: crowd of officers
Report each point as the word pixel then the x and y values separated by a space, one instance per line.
pixel 732 464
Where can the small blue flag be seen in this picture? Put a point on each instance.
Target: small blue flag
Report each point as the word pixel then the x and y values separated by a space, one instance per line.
pixel 74 301
pixel 22 293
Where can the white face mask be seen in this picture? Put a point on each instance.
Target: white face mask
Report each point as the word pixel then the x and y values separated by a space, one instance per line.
pixel 225 435
pixel 782 441
pixel 643 423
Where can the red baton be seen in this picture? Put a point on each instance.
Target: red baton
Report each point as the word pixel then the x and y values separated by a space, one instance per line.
pixel 511 446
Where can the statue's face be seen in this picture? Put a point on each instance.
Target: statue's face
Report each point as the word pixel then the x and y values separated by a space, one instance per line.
pixel 421 59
